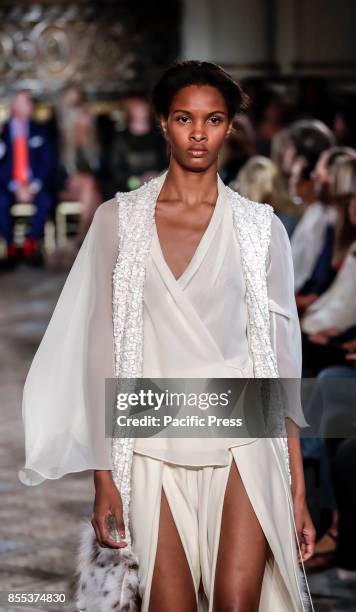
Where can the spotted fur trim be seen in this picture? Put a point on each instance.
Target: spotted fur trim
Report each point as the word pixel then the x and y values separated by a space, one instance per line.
pixel 107 577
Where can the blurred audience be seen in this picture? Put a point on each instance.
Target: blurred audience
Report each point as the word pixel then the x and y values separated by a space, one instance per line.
pixel 330 411
pixel 307 138
pixel 26 173
pixel 309 236
pixel 313 100
pixel 237 149
pixel 138 151
pixel 343 478
pixel 328 324
pixel 329 258
pixel 259 180
pixel 80 156
pixel 272 119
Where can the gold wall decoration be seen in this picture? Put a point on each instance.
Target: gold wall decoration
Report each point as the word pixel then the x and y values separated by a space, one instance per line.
pixel 100 46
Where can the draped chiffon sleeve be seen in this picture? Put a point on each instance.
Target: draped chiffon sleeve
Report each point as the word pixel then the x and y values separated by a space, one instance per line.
pixel 284 321
pixel 63 404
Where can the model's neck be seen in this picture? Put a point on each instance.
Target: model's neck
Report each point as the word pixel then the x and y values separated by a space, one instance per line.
pixel 190 187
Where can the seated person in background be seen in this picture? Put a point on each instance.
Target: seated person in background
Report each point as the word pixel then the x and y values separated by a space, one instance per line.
pixel 307 138
pixel 259 180
pixel 138 151
pixel 237 149
pixel 26 172
pixel 324 230
pixel 331 320
pixel 308 238
pixel 80 157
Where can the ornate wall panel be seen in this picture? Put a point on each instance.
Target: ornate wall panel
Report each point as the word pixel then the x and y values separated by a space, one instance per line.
pixel 106 47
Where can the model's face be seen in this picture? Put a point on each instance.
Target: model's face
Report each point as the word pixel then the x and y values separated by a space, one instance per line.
pixel 196 126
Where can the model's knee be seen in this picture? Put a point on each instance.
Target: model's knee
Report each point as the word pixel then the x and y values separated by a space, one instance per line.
pixel 243 602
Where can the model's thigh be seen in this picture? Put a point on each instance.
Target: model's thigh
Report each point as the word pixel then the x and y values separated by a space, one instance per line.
pixel 242 551
pixel 163 515
pixel 172 586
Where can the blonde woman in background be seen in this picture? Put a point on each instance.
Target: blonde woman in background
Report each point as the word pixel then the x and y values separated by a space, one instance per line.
pixel 335 311
pixel 260 178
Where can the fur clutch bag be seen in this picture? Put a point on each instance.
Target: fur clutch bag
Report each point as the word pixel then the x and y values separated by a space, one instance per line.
pixel 107 577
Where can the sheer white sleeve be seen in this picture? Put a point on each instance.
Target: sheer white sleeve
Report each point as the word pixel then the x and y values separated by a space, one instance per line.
pixel 284 321
pixel 63 405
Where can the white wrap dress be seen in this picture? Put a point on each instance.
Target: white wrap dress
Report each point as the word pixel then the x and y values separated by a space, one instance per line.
pixel 196 326
pixel 193 327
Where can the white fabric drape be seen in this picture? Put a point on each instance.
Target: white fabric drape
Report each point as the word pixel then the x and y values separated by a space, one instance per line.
pixel 63 405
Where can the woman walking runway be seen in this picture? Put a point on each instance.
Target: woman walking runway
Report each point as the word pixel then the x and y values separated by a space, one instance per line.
pixel 181 278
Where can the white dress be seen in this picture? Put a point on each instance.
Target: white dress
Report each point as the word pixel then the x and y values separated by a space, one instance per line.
pixel 198 321
pixel 196 327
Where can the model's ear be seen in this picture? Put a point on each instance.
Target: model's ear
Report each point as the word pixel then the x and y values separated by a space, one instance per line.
pixel 163 123
pixel 229 130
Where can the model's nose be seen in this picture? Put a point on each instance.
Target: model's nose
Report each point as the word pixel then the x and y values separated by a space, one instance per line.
pixel 198 135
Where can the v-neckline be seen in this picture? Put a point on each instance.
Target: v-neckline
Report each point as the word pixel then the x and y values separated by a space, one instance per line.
pixel 194 262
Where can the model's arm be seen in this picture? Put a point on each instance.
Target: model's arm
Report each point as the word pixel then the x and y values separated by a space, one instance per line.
pixel 107 503
pixel 100 366
pixel 286 341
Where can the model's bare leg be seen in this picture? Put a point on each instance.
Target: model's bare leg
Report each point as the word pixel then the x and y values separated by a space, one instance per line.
pixel 172 588
pixel 242 553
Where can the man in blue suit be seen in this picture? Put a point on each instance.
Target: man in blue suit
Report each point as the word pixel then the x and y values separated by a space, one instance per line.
pixel 26 166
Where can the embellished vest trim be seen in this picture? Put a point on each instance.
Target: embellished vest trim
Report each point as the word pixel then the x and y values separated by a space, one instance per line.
pixel 136 210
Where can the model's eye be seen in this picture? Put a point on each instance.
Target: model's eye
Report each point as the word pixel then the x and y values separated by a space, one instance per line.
pixel 215 120
pixel 183 119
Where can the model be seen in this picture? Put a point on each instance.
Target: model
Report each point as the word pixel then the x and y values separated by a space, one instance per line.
pixel 182 278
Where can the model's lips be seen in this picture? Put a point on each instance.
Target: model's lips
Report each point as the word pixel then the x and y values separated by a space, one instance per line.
pixel 197 152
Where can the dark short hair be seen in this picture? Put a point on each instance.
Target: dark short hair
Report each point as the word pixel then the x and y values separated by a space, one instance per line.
pixel 311 137
pixel 194 72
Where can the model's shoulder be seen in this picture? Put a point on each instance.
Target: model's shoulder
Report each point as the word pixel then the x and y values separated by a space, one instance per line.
pixel 143 191
pixel 250 207
pixel 106 213
pixel 278 228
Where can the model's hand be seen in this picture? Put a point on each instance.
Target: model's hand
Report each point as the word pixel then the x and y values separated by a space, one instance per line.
pixel 305 530
pixel 107 505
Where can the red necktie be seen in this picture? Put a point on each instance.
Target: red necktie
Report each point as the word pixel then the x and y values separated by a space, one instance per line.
pixel 20 154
